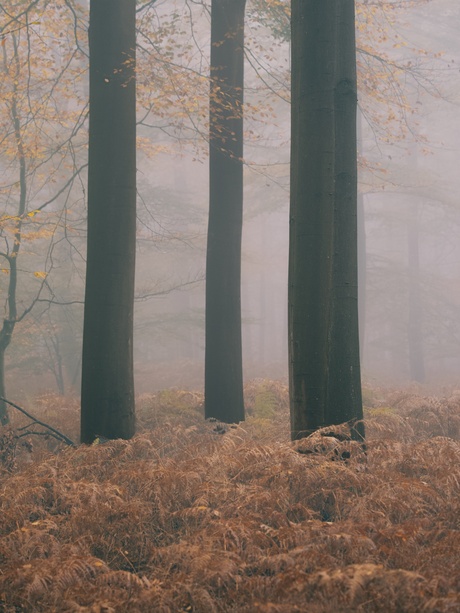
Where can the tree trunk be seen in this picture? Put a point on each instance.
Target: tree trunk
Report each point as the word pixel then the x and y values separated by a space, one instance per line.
pixel 5 339
pixel 223 360
pixel 9 322
pixel 362 253
pixel 56 361
pixel 415 333
pixel 323 317
pixel 344 401
pixel 107 364
pixel 263 323
pixel 4 418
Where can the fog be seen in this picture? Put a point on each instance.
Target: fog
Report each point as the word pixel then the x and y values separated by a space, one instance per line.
pixel 409 182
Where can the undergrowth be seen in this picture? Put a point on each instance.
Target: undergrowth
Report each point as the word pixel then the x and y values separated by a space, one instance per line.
pixel 197 516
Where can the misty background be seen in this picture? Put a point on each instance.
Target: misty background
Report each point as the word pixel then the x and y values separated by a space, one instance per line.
pixel 409 184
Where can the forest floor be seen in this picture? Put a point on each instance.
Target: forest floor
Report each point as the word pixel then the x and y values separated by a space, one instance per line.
pixel 197 516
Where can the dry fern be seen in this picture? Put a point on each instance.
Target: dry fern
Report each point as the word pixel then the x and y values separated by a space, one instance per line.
pixel 182 518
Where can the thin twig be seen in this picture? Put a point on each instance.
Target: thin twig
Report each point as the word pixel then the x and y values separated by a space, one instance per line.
pixel 29 432
pixel 63 437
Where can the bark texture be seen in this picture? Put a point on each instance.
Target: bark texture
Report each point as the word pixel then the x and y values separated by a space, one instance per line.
pixel 324 365
pixel 107 364
pixel 223 357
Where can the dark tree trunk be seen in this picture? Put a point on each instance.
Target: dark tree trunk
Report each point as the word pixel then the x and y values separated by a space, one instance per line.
pixel 362 251
pixel 323 315
pixel 6 331
pixel 223 361
pixel 311 214
pixel 344 401
pixel 107 365
pixel 4 418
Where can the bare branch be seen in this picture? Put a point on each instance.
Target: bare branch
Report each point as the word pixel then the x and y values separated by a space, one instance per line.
pixel 168 290
pixel 62 437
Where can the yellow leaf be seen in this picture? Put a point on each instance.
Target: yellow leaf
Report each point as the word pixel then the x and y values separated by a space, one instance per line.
pixel 40 274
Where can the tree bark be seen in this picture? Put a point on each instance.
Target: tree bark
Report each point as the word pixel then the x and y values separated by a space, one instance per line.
pixel 4 417
pixel 362 250
pixel 9 323
pixel 223 356
pixel 344 402
pixel 107 399
pixel 323 318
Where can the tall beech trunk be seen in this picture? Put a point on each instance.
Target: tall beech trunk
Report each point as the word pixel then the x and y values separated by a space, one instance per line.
pixel 325 383
pixel 4 417
pixel 223 357
pixel 362 250
pixel 107 399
